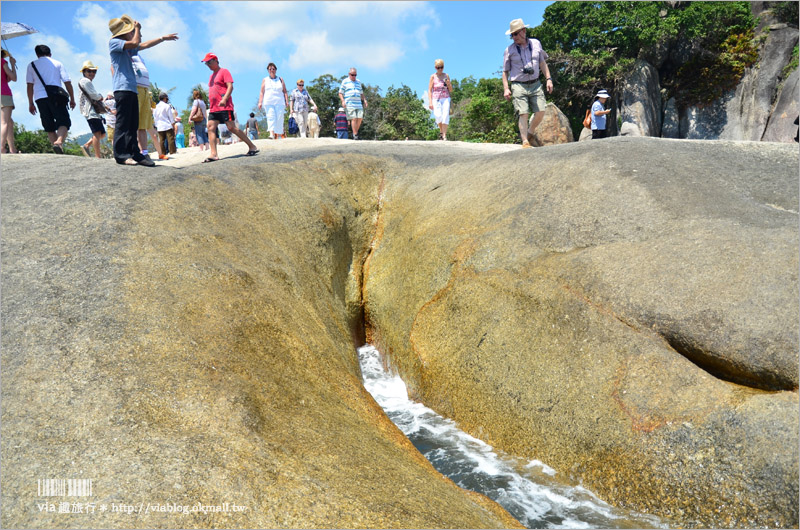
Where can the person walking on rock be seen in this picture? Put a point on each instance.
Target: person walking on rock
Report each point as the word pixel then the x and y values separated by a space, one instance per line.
pixel 46 71
pixel 220 87
pixel 351 94
pixel 275 101
pixel 439 90
pixel 93 118
pixel 164 120
pixel 252 127
pixel 199 117
pixel 301 100
pixel 8 71
pixel 111 117
pixel 341 124
pixel 599 114
pixel 522 62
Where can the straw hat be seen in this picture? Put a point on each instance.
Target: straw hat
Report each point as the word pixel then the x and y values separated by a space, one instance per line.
pixel 516 25
pixel 120 26
pixel 88 65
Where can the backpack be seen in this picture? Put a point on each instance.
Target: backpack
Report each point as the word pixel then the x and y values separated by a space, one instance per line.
pixel 293 127
pixel 587 121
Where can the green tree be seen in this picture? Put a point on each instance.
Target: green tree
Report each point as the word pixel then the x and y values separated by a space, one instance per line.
pixel 38 142
pixel 324 90
pixel 481 113
pixel 403 115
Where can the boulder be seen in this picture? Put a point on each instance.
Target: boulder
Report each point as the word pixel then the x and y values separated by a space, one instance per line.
pixel 705 122
pixel 670 124
pixel 554 128
pixel 586 134
pixel 626 314
pixel 185 339
pixel 748 111
pixel 782 126
pixel 640 106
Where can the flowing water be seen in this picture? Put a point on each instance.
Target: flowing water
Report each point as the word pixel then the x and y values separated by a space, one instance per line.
pixel 529 490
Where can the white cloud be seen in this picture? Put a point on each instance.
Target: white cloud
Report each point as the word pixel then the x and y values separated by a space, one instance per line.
pixel 327 35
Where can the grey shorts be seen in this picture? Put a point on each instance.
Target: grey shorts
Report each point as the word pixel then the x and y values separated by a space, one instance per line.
pixel 354 113
pixel 7 100
pixel 528 98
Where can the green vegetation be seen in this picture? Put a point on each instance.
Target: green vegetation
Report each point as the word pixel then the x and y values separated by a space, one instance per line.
pixel 37 142
pixel 791 67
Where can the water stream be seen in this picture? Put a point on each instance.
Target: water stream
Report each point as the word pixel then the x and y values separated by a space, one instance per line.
pixel 529 490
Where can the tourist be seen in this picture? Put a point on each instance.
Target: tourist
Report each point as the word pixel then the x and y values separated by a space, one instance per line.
pixel 179 137
pixel 125 43
pixel 164 119
pixel 351 94
pixel 522 62
pixel 8 72
pixel 146 108
pixel 300 100
pixel 439 90
pixel 53 112
pixel 111 117
pixel 199 110
pixel 274 100
pixel 314 124
pixel 599 114
pixel 340 122
pixel 94 118
pixel 252 127
pixel 220 87
pixel 193 140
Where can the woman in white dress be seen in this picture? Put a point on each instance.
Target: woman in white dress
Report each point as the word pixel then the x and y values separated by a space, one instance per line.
pixel 274 100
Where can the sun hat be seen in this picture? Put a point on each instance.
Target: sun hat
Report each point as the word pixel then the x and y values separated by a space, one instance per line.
pixel 120 26
pixel 516 25
pixel 209 56
pixel 341 109
pixel 602 94
pixel 88 65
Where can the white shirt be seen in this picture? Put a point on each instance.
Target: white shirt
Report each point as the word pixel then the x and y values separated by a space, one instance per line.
pixel 52 72
pixel 163 116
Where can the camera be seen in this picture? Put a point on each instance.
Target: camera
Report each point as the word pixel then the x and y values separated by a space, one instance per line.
pixel 528 70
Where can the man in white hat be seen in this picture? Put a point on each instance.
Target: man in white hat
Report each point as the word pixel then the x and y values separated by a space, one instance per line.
pixel 522 62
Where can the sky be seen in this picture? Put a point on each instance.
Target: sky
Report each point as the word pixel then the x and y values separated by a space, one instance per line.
pixel 390 43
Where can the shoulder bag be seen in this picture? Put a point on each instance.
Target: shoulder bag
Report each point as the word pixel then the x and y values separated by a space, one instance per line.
pixel 55 93
pixel 97 104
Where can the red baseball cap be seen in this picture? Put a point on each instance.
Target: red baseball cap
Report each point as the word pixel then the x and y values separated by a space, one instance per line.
pixel 208 57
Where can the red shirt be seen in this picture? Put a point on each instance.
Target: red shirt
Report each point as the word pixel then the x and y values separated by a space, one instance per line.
pixel 217 86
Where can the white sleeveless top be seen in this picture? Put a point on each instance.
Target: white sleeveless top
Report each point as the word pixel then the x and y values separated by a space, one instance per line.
pixel 273 91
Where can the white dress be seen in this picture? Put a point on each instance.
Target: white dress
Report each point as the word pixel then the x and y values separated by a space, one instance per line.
pixel 274 104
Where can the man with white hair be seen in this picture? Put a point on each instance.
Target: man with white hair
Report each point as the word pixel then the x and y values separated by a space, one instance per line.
pixel 522 62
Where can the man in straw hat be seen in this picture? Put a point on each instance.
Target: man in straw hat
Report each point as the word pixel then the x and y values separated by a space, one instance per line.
pixel 126 41
pixel 522 62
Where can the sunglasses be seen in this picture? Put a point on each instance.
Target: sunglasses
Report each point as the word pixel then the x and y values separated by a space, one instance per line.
pixel 300 84
pixel 440 67
pixel 353 75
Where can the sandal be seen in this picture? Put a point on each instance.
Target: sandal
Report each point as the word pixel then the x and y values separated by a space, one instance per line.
pixel 252 152
pixel 57 149
pixel 209 159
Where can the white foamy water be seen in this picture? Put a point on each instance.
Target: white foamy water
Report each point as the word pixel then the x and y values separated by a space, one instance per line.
pixel 531 491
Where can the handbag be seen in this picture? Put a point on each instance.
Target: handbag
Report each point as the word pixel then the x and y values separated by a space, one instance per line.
pixel 97 104
pixel 587 121
pixel 55 93
pixel 198 117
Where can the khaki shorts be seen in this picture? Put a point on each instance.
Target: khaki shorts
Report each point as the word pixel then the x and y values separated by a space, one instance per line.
pixel 528 98
pixel 354 113
pixel 145 110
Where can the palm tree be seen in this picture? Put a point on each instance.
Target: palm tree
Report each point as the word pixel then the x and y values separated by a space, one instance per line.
pixel 203 94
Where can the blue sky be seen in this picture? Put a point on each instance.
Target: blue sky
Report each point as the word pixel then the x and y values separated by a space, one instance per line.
pixel 391 43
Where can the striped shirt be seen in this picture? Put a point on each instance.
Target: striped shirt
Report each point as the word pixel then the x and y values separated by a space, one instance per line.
pixel 341 122
pixel 351 90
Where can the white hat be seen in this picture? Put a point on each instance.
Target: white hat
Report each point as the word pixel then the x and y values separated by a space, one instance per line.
pixel 602 94
pixel 516 25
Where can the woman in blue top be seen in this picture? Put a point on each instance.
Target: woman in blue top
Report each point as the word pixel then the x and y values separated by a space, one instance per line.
pixel 599 114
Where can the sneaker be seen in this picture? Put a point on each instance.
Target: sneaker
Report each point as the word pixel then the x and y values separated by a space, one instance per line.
pixel 146 162
pixel 163 157
pixel 355 137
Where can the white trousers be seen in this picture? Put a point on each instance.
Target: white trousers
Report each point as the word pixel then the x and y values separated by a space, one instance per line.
pixel 275 117
pixel 302 121
pixel 441 110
